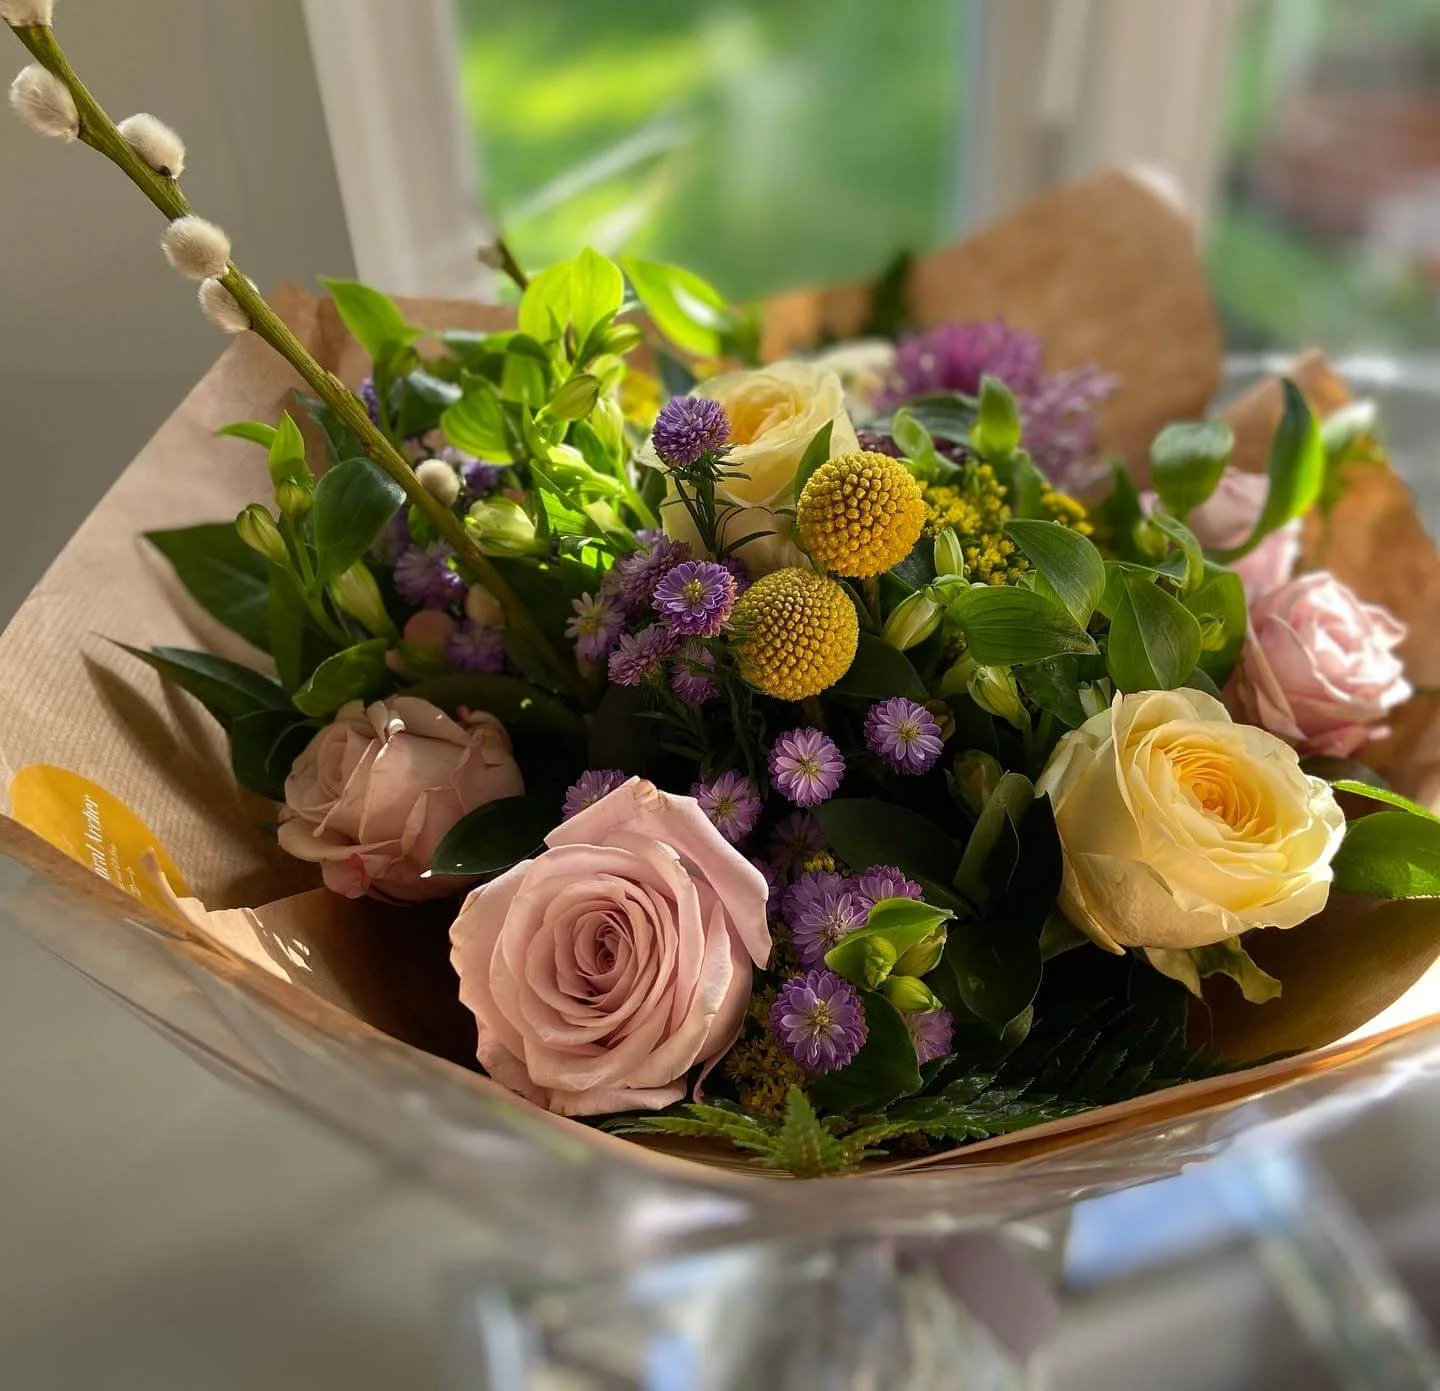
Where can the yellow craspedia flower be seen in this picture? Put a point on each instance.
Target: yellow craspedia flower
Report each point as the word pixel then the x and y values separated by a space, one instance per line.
pixel 860 514
pixel 798 633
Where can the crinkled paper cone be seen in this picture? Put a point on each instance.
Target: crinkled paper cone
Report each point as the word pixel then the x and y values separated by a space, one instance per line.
pixel 1105 271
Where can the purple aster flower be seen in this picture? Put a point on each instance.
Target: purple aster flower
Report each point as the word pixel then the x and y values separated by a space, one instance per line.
pixel 423 576
pixel 884 881
pixel 904 734
pixel 478 477
pixel 634 577
pixel 1058 420
pixel 806 766
pixel 393 540
pixel 932 1033
pixel 649 535
pixel 819 1020
pixel 820 923
pixel 596 626
pixel 772 882
pixel 731 803
pixel 810 888
pixel 589 788
pixel 695 598
pixel 740 570
pixel 688 428
pixel 795 839
pixel 371 399
pixel 690 674
pixel 640 655
pixel 475 647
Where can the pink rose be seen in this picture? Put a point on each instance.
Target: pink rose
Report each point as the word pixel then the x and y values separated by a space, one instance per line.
pixel 604 969
pixel 1227 517
pixel 374 793
pixel 1319 666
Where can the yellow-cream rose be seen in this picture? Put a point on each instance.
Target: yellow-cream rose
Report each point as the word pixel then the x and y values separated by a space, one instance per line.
pixel 1181 828
pixel 774 413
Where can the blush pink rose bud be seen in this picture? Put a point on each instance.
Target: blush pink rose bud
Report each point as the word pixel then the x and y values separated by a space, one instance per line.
pixel 621 957
pixel 1319 667
pixel 373 794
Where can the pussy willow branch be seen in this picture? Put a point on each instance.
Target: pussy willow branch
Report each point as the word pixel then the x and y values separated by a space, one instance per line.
pixel 98 131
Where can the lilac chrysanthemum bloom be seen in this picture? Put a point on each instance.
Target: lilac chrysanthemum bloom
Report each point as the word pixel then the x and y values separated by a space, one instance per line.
pixel 731 803
pixel 695 598
pixel 820 923
pixel 810 888
pixel 1057 410
pixel 423 575
pixel 772 882
pixel 796 838
pixel 589 788
pixel 884 881
pixel 806 766
pixel 478 477
pixel 596 626
pixel 475 647
pixel 691 674
pixel 371 399
pixel 819 1021
pixel 640 655
pixel 688 428
pixel 394 539
pixel 633 578
pixel 932 1033
pixel 740 570
pixel 904 734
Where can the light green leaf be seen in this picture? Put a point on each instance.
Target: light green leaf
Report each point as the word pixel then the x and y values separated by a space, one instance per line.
pixel 256 431
pixel 352 502
pixel 900 923
pixel 1382 794
pixel 1067 560
pixel 374 319
pixel 1154 639
pixel 1221 597
pixel 597 290
pixel 357 673
pixel 1227 958
pixel 1187 461
pixel 1390 854
pixel 1005 625
pixel 997 426
pixel 816 453
pixel 1297 470
pixel 689 312
pixel 1194 557
pixel 476 423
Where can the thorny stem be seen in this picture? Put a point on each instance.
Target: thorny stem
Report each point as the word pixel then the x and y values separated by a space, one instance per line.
pixel 98 131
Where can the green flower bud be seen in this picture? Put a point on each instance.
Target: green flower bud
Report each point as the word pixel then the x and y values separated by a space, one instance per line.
pixel 258 531
pixel 923 957
pixel 975 775
pixel 1212 633
pixel 620 338
pixel 295 495
pixel 949 554
pixel 913 620
pixel 575 399
pixel 609 370
pixel 1149 539
pixel 357 594
pixel 907 993
pixel 994 690
pixel 501 526
pixel 879 961
pixel 608 422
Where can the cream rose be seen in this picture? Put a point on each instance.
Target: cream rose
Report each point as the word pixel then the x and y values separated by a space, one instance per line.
pixel 600 972
pixel 774 413
pixel 373 794
pixel 1181 828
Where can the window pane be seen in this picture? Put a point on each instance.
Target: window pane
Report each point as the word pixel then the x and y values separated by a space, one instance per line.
pixel 765 145
pixel 1329 230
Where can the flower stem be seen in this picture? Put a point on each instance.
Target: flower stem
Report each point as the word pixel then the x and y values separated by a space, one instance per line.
pixel 98 131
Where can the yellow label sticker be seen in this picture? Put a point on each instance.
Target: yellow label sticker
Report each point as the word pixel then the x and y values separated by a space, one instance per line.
pixel 94 827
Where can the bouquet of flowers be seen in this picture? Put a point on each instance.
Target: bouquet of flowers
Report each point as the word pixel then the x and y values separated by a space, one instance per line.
pixel 821 760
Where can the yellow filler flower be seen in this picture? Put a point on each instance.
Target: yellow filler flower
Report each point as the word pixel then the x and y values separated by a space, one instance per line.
pixel 798 633
pixel 860 514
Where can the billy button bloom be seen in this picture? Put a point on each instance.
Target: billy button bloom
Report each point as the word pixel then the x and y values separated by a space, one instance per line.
pixel 798 633
pixel 860 514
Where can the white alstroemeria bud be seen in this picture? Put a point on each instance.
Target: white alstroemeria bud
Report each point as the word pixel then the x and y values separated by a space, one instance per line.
pixel 994 690
pixel 482 607
pixel 258 531
pixel 913 620
pixel 44 103
pixel 196 248
pixel 440 480
pixel 357 593
pixel 221 307
pixel 155 143
pixel 23 13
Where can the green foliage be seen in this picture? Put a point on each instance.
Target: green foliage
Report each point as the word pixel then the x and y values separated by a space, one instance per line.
pixel 1296 469
pixel 1390 854
pixel 1069 562
pixel 1218 603
pixel 878 672
pixel 1187 460
pixel 263 747
pixel 997 426
pixel 353 501
pixel 374 319
pixel 691 314
pixel 223 575
pixel 356 673
pixel 1227 958
pixel 882 1071
pixel 225 688
pixel 495 836
pixel 256 431
pixel 1005 625
pixel 864 832
pixel 896 925
pixel 946 415
pixel 1154 641
pixel 816 453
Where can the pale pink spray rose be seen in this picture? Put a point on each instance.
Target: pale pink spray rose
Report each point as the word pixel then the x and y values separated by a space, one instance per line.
pixel 374 792
pixel 1319 666
pixel 604 969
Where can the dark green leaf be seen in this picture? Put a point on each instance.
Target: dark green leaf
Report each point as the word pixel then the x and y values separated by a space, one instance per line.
pixel 1067 560
pixel 949 416
pixel 1186 462
pixel 816 453
pixel 1390 854
pixel 994 845
pixel 225 688
pixel 1054 685
pixel 352 502
pixel 619 737
pixel 357 673
pixel 1297 470
pixel 374 319
pixel 341 441
pixel 264 746
pixel 1005 625
pixel 225 577
pixel 511 700
pixel 495 836
pixel 296 643
pixel 1221 597
pixel 256 431
pixel 1154 639
pixel 882 1071
pixel 880 671
pixel 863 832
pixel 423 400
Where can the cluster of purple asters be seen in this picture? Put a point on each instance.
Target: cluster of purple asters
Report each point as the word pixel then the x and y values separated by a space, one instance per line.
pixel 476 647
pixel 904 734
pixel 822 907
pixel 425 576
pixel 1057 409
